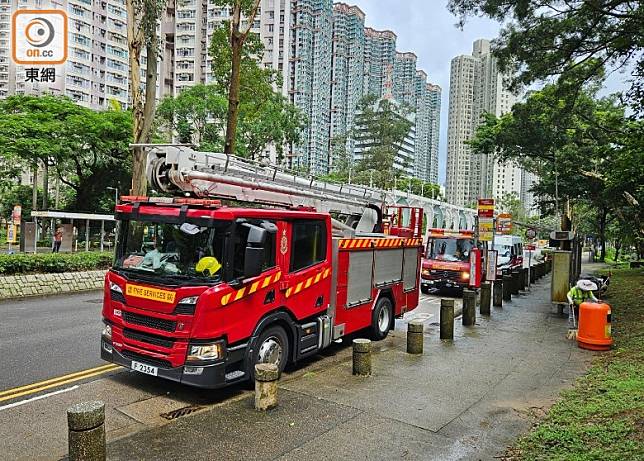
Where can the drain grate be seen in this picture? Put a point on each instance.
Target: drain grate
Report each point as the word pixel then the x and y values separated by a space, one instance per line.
pixel 174 414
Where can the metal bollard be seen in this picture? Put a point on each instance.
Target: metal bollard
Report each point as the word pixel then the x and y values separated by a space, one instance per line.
pixel 507 288
pixel 533 275
pixel 361 357
pixel 469 307
pixel 486 298
pixel 447 319
pixel 415 338
pixel 497 293
pixel 266 378
pixel 86 431
pixel 524 279
pixel 515 282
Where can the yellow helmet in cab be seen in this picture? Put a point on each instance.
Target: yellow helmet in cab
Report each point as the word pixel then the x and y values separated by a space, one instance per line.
pixel 208 265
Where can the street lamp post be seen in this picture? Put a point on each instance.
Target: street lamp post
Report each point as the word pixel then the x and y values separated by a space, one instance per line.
pixel 116 194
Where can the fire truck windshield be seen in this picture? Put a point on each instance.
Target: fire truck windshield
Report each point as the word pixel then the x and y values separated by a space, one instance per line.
pixel 182 251
pixel 449 249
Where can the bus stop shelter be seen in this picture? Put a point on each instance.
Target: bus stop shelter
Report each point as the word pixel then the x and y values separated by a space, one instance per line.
pixel 71 216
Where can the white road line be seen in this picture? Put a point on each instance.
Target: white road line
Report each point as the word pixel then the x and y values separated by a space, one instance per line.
pixel 49 394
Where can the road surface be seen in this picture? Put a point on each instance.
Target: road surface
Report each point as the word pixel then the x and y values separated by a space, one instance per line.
pixel 48 337
pixel 45 337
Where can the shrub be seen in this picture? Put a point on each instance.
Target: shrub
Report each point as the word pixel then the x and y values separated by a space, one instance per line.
pixel 53 262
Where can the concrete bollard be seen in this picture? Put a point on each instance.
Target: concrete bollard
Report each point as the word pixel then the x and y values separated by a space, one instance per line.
pixel 486 298
pixel 447 319
pixel 515 282
pixel 415 338
pixel 497 293
pixel 361 357
pixel 266 378
pixel 86 431
pixel 469 307
pixel 507 288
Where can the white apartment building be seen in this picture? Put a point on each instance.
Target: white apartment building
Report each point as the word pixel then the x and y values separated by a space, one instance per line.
pixel 476 88
pixel 97 68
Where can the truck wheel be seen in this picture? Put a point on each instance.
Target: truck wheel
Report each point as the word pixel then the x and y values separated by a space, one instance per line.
pixel 381 319
pixel 271 347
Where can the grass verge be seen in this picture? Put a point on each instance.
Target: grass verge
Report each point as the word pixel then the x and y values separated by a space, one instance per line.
pixel 602 416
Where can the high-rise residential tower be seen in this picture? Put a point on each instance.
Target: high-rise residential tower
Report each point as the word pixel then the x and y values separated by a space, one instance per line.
pixel 434 113
pixel 348 75
pixel 476 88
pixel 379 61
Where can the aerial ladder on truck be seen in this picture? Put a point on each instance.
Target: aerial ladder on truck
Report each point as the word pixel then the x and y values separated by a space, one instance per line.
pixel 356 209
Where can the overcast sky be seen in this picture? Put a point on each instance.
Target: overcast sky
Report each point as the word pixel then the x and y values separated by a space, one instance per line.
pixel 427 28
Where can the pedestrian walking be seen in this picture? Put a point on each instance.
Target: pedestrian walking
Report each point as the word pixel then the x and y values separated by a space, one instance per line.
pixel 58 239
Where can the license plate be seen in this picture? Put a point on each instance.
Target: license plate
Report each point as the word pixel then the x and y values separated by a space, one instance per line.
pixel 144 368
pixel 154 294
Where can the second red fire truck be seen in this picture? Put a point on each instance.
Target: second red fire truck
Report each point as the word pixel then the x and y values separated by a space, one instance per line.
pixel 200 292
pixel 452 260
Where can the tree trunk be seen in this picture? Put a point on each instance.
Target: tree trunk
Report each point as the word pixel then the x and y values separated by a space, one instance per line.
pixel 45 185
pixel 618 247
pixel 135 45
pixel 236 44
pixel 34 197
pixel 602 233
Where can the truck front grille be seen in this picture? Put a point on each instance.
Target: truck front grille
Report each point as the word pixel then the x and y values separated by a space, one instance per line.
pixel 444 275
pixel 145 359
pixel 150 322
pixel 148 338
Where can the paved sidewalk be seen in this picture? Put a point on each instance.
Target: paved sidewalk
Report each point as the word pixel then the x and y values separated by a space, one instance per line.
pixel 463 400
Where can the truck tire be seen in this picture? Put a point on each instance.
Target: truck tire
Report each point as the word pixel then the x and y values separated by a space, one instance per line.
pixel 272 347
pixel 381 319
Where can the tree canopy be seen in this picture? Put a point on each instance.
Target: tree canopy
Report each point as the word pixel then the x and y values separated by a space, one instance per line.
pixel 585 152
pixel 541 39
pixel 88 150
pixel 200 113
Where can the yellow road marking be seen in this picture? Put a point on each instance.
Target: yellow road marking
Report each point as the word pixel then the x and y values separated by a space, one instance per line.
pixel 54 382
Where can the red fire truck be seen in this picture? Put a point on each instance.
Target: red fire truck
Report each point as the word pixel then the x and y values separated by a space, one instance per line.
pixel 200 292
pixel 452 260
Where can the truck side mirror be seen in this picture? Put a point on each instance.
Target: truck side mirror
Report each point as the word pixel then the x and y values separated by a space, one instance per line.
pixel 253 261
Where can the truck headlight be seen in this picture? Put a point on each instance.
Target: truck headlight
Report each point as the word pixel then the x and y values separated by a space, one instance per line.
pixel 425 272
pixel 107 332
pixel 465 275
pixel 191 300
pixel 202 352
pixel 115 287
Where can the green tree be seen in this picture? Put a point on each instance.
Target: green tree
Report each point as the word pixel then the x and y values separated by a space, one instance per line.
pixel 143 19
pixel 262 115
pixel 381 127
pixel 87 149
pixel 238 55
pixel 541 39
pixel 197 115
pixel 584 151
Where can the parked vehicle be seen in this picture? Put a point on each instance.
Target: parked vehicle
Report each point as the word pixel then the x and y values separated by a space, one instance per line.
pixel 510 252
pixel 452 260
pixel 200 292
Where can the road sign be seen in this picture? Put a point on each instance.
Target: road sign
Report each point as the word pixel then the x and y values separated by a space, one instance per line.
pixel 16 215
pixel 11 233
pixel 491 265
pixel 531 233
pixel 504 223
pixel 530 247
pixel 486 208
pixel 486 229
